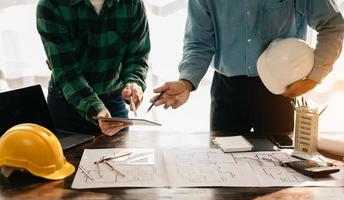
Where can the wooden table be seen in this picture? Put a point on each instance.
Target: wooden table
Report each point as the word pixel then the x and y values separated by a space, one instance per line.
pixel 25 186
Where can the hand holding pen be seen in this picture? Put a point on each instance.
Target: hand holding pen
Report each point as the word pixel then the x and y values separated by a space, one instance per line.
pixel 155 100
pixel 172 94
pixel 134 95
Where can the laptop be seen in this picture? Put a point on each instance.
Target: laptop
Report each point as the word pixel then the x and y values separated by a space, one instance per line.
pixel 28 105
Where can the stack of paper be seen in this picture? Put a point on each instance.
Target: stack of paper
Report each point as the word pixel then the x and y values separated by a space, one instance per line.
pixel 233 143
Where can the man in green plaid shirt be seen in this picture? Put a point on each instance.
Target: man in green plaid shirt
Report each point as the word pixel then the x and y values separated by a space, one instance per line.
pixel 97 51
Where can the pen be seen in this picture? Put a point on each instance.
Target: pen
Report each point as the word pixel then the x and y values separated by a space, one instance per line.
pixel 132 106
pixel 155 100
pixel 299 157
pixel 321 112
pixel 303 101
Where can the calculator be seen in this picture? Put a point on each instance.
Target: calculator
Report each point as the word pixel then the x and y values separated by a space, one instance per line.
pixel 312 168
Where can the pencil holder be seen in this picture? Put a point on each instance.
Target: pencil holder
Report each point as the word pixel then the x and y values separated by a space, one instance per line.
pixel 306 130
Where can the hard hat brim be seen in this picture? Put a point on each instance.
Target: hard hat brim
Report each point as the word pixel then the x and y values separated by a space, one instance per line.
pixel 270 82
pixel 67 170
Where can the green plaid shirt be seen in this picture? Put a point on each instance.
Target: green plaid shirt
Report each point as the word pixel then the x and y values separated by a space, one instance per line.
pixel 91 54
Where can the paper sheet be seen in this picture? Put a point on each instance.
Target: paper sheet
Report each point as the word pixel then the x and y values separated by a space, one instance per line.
pixel 194 167
pixel 211 167
pixel 143 168
pixel 206 167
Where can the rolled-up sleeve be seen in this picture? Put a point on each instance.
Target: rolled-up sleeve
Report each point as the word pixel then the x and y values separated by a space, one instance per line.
pixel 324 17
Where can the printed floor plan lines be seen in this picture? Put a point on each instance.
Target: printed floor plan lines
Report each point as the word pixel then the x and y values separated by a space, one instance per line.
pixel 211 167
pixel 142 168
pixel 191 167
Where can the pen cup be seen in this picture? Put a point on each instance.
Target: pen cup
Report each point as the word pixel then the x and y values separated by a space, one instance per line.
pixel 306 130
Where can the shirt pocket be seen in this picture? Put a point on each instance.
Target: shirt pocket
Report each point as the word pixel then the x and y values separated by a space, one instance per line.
pixel 276 18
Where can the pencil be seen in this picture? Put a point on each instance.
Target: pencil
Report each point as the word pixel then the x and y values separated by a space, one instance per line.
pixel 155 100
pixel 132 106
pixel 298 103
pixel 114 169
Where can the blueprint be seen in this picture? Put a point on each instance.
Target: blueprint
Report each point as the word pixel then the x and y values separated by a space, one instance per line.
pixel 142 168
pixel 212 167
pixel 191 167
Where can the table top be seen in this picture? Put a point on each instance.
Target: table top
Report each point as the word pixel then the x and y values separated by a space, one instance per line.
pixel 25 186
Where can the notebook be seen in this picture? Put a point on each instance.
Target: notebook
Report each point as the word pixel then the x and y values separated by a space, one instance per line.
pixel 233 143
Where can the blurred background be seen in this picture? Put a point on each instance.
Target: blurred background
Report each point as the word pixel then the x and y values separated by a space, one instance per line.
pixel 22 63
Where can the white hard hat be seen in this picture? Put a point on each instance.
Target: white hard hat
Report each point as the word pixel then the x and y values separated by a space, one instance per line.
pixel 284 62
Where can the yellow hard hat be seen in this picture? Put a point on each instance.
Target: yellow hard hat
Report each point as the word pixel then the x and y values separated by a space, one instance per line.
pixel 35 149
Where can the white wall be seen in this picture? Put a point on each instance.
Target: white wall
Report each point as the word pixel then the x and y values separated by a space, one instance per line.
pixel 22 60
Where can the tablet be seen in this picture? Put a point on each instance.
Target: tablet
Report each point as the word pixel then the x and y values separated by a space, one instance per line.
pixel 142 122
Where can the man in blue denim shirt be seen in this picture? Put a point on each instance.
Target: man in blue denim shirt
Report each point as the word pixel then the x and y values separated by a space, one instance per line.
pixel 235 33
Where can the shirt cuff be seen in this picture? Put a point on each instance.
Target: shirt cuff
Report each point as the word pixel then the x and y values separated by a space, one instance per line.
pixel 194 80
pixel 93 111
pixel 141 83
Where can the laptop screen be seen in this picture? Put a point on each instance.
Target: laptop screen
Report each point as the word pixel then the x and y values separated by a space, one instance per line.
pixel 25 105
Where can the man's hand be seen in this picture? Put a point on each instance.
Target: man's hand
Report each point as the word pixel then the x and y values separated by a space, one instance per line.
pixel 299 88
pixel 110 128
pixel 135 91
pixel 176 94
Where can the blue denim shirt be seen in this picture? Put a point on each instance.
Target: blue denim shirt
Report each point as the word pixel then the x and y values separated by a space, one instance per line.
pixel 236 32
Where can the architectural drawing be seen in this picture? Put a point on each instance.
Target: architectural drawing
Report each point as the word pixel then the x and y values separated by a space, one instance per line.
pixel 142 168
pixel 212 167
pixel 191 167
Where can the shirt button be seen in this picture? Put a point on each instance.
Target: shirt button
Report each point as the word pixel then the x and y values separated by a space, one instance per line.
pixel 249 40
pixel 248 12
pixel 249 67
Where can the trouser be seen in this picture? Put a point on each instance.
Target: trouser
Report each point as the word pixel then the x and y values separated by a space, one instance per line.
pixel 241 103
pixel 66 117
